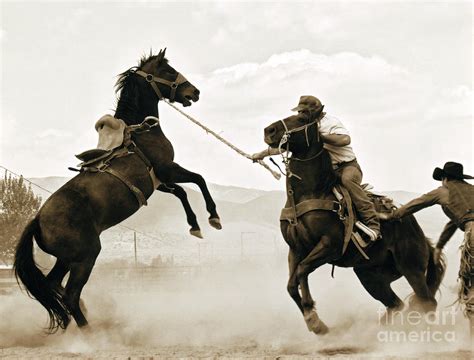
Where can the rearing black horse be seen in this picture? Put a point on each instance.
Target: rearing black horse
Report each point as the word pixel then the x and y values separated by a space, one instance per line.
pixel 317 237
pixel 69 223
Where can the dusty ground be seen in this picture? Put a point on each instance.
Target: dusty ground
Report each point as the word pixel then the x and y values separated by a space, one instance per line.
pixel 241 311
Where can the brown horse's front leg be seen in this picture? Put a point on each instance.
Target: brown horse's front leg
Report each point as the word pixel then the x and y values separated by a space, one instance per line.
pixel 179 192
pixel 292 287
pixel 320 255
pixel 173 173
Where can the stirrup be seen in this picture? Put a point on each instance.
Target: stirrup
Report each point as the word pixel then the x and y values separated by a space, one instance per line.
pixel 372 234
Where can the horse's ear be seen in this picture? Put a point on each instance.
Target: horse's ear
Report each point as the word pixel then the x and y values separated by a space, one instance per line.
pixel 161 55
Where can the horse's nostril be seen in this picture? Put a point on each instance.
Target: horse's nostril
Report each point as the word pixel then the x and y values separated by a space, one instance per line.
pixel 271 131
pixel 196 92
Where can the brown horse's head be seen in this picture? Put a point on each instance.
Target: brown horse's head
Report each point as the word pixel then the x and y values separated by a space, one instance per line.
pixel 171 84
pixel 141 87
pixel 297 133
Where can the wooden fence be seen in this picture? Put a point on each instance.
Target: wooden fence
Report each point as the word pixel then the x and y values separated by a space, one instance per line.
pixel 119 278
pixel 7 281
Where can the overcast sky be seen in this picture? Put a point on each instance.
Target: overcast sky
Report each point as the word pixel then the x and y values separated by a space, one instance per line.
pixel 397 74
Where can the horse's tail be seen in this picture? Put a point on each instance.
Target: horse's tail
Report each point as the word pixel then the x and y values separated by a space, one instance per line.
pixel 435 271
pixel 35 282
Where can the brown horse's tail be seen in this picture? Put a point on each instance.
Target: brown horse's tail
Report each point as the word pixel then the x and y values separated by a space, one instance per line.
pixel 35 282
pixel 435 271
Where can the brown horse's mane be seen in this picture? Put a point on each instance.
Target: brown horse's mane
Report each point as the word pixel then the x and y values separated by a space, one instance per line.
pixel 127 87
pixel 122 78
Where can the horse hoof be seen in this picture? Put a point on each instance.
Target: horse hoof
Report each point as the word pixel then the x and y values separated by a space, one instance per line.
pixel 315 324
pixel 196 233
pixel 321 329
pixel 215 223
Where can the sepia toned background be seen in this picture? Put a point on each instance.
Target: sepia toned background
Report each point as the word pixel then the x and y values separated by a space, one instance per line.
pixel 399 76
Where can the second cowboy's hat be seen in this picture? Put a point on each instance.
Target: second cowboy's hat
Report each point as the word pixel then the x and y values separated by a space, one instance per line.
pixel 308 102
pixel 452 170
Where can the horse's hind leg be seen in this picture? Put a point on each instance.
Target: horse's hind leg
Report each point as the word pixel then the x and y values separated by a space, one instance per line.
pixel 57 274
pixel 179 192
pixel 423 300
pixel 377 280
pixel 414 269
pixel 176 174
pixel 80 272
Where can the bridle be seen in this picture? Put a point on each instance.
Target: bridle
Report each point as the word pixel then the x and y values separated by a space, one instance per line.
pixel 153 80
pixel 285 152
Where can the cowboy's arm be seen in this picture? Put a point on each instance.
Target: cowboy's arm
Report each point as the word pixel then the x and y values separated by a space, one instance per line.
pixel 336 139
pixel 424 201
pixel 267 152
pixel 446 234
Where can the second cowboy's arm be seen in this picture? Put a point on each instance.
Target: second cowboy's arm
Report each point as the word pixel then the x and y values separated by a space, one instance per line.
pixel 438 196
pixel 263 154
pixel 448 231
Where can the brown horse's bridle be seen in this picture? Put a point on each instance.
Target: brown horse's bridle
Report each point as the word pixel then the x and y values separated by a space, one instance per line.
pixel 153 80
pixel 291 212
pixel 285 140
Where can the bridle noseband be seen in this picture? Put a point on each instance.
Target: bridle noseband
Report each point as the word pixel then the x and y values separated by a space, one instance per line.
pixel 153 80
pixel 285 140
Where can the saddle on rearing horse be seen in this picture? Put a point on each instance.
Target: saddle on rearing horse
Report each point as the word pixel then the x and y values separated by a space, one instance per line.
pixel 115 142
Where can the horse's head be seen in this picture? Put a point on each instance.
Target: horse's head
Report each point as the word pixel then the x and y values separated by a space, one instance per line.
pixel 166 81
pixel 297 133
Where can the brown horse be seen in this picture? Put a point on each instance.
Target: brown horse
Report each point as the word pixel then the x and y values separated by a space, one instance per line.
pixel 70 222
pixel 317 236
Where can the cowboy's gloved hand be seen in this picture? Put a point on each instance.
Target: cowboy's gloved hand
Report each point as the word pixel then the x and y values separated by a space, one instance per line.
pixel 257 156
pixel 385 216
pixel 437 255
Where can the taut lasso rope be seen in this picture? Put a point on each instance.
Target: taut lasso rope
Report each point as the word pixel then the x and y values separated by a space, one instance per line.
pixel 218 137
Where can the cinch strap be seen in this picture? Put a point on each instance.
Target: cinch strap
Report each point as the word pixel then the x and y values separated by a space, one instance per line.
pixel 305 206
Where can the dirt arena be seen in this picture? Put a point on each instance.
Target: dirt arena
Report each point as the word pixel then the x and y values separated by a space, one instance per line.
pixel 233 311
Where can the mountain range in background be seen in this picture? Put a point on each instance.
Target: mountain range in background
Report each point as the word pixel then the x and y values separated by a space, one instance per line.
pixel 234 204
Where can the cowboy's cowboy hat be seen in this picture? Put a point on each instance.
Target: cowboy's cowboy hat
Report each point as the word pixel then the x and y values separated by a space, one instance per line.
pixel 452 170
pixel 308 102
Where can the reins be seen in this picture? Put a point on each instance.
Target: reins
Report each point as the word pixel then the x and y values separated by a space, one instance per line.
pixel 284 153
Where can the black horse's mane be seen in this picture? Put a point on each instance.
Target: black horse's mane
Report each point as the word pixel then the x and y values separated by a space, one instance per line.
pixel 122 78
pixel 127 87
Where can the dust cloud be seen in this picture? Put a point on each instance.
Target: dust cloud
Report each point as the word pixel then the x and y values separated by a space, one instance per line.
pixel 234 309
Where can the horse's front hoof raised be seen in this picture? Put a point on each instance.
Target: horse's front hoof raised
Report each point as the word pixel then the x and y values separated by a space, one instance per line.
pixel 196 233
pixel 215 223
pixel 315 324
